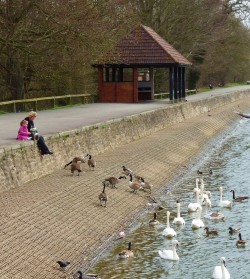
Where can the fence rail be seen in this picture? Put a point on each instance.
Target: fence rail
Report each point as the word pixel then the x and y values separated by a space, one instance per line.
pixel 84 99
pixel 166 95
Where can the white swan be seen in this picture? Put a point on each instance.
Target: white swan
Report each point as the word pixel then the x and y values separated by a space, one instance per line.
pixel 224 203
pixel 170 254
pixel 197 223
pixel 178 220
pixel 168 232
pixel 193 206
pixel 196 189
pixel 220 271
pixel 213 215
pixel 204 194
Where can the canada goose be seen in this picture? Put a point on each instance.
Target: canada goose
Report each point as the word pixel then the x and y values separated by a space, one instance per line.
pixel 75 167
pixel 224 203
pixel 197 223
pixel 194 206
pixel 170 254
pixel 91 162
pixel 127 171
pixel 103 196
pixel 146 185
pixel 113 180
pixel 220 271
pixel 63 265
pixel 86 276
pixel 238 199
pixel 211 232
pixel 154 221
pixel 75 160
pixel 126 253
pixel 178 220
pixel 168 232
pixel 232 231
pixel 133 184
pixel 241 242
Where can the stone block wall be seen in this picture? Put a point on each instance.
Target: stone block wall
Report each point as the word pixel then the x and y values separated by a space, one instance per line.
pixel 22 162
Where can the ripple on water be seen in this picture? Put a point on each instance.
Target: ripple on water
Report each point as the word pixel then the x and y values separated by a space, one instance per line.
pixel 198 253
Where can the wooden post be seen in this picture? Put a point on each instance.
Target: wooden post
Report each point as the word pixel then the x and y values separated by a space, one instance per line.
pixel 100 83
pixel 183 81
pixel 179 83
pixel 175 83
pixel 171 95
pixel 135 82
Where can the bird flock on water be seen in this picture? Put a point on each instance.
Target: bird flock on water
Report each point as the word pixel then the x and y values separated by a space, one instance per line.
pixel 202 202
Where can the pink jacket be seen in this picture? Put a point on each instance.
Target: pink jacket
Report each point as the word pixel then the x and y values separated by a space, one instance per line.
pixel 23 133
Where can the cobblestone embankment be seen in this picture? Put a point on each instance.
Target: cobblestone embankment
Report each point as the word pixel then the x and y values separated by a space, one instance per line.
pixel 59 217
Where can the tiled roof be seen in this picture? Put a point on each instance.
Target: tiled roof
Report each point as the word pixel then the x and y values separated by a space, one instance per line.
pixel 143 46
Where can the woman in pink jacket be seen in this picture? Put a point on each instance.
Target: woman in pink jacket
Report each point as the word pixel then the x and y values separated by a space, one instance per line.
pixel 23 133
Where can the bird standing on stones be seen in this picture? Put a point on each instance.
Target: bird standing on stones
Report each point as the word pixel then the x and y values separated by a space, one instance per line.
pixel 127 171
pixel 113 180
pixel 103 197
pixel 134 185
pixel 63 264
pixel 91 162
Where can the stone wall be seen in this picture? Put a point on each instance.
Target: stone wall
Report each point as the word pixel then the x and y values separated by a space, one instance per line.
pixel 22 162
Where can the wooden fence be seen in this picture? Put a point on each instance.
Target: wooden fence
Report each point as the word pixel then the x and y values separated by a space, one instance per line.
pixel 85 98
pixel 166 95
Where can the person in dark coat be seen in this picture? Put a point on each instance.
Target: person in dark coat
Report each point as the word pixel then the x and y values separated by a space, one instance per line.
pixel 40 139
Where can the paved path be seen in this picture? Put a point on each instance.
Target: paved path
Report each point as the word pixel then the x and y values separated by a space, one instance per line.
pixel 53 121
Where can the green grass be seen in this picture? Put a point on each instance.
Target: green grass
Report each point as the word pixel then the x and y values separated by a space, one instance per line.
pixel 206 88
pixel 3 112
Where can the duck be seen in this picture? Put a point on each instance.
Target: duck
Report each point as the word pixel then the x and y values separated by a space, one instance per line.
pixel 178 220
pixel 232 231
pixel 197 223
pixel 154 221
pixel 238 199
pixel 86 276
pixel 170 254
pixel 126 253
pixel 240 242
pixel 224 203
pixel 194 206
pixel 103 197
pixel 126 171
pixel 113 180
pixel 168 232
pixel 216 216
pixel 210 232
pixel 209 172
pixel 134 185
pixel 220 271
pixel 91 162
pixel 145 185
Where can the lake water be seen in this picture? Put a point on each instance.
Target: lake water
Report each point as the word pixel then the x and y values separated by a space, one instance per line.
pixel 229 158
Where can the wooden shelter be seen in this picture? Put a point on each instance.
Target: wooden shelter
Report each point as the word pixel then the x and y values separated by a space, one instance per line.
pixel 127 73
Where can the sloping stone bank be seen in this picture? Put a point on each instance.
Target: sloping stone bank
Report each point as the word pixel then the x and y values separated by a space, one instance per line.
pixel 22 163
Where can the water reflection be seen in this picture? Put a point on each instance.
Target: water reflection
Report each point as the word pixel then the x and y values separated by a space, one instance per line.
pixel 198 252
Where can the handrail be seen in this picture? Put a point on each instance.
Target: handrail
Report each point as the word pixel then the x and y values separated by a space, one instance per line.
pixel 188 92
pixel 14 102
